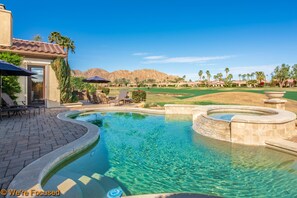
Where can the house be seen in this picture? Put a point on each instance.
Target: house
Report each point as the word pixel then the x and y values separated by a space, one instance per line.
pixel 37 57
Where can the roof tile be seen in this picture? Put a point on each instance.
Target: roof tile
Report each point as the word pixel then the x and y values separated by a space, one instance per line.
pixel 35 47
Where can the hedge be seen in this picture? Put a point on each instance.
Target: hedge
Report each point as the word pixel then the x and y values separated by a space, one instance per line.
pixel 138 96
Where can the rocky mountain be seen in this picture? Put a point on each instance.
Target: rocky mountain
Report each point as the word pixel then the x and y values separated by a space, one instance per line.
pixel 142 74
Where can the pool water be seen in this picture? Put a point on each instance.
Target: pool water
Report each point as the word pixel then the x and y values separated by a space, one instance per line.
pixel 229 116
pixel 154 154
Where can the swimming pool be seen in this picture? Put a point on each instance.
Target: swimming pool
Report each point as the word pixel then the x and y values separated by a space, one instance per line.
pixel 152 154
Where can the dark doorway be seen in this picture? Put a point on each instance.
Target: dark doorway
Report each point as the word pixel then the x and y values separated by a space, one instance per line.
pixel 36 88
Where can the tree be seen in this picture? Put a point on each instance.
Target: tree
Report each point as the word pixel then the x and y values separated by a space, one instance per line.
pixel 184 77
pixel 260 76
pixel 281 74
pixel 243 77
pixel 10 84
pixel 248 76
pixel 136 80
pixel 65 42
pixel 253 75
pixel 200 73
pixel 208 75
pixel 78 85
pixel 294 72
pixel 228 80
pixel 55 37
pixel 227 71
pixel 220 76
pixel 37 37
pixel 239 76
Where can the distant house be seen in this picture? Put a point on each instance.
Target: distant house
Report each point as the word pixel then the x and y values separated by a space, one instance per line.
pixel 37 57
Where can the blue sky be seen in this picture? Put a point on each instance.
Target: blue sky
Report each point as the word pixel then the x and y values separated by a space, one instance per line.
pixel 173 36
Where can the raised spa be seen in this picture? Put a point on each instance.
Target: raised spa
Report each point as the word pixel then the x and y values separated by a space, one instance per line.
pixel 244 124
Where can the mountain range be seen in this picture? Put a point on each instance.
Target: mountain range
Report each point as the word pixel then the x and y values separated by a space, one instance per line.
pixel 142 74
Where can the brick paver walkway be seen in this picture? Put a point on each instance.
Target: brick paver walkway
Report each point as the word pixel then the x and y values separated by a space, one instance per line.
pixel 24 139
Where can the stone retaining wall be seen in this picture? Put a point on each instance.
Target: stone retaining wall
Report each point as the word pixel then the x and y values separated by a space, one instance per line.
pixel 257 133
pixel 217 129
pixel 179 109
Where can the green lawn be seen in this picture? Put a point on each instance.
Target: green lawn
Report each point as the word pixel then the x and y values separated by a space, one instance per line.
pixel 183 93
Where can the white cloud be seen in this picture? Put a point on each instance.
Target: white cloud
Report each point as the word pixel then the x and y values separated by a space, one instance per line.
pixel 187 59
pixel 154 57
pixel 140 54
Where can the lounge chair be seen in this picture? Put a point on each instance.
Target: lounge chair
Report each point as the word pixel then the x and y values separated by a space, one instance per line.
pixel 123 97
pixel 12 106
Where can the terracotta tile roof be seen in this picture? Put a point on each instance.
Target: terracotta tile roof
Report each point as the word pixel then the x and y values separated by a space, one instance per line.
pixel 34 48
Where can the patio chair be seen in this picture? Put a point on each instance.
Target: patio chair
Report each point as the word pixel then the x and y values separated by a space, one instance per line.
pixel 123 97
pixel 12 106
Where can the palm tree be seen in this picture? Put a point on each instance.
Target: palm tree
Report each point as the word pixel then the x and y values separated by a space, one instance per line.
pixel 37 37
pixel 184 77
pixel 239 76
pixel 227 71
pixel 65 42
pixel 248 76
pixel 208 75
pixel 68 44
pixel 244 77
pixel 260 76
pixel 220 76
pixel 55 37
pixel 200 74
pixel 253 75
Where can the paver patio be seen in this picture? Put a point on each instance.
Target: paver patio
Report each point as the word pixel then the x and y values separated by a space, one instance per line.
pixel 25 139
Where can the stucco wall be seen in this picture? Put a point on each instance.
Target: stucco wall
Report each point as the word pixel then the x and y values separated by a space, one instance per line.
pixel 5 27
pixel 52 93
pixel 52 88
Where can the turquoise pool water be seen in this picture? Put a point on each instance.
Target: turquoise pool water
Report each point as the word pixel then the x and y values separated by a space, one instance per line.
pixel 156 154
pixel 228 116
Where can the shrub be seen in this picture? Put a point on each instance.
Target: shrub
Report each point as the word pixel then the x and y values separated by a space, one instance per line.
pixel 10 84
pixel 148 105
pixel 105 90
pixel 138 96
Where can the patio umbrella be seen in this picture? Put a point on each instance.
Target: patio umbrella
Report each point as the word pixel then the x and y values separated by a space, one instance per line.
pixel 96 79
pixel 7 69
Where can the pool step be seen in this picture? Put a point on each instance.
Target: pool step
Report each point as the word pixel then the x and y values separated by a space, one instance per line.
pixel 79 186
pixel 68 187
pixel 282 145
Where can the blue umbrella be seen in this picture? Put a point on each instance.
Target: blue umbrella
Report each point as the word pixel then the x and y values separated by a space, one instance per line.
pixel 7 69
pixel 96 79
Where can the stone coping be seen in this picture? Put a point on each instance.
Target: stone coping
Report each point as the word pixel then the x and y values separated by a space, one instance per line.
pixel 124 109
pixel 283 145
pixel 276 116
pixel 180 105
pixel 30 177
